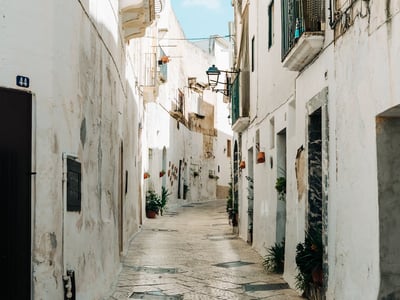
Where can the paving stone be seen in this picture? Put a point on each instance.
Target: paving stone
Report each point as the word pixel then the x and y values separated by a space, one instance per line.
pixel 192 253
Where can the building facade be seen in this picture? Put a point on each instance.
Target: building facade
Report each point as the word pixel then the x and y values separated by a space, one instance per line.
pixel 70 143
pixel 187 129
pixel 92 98
pixel 316 96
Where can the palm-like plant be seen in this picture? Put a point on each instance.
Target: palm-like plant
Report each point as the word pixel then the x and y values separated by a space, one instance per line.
pixel 275 259
pixel 163 199
pixel 309 259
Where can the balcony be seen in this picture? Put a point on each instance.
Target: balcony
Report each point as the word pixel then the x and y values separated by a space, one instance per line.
pixel 303 26
pixel 239 111
pixel 137 15
pixel 304 51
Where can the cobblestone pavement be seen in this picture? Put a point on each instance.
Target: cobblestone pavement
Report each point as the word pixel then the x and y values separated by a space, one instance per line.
pixel 191 253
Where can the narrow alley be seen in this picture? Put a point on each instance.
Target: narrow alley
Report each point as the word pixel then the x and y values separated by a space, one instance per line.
pixel 191 253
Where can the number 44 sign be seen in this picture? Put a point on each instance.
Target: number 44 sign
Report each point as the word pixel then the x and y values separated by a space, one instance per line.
pixel 22 81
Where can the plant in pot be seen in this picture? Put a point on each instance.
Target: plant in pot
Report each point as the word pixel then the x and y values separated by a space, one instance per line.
pixel 152 204
pixel 275 259
pixel 162 201
pixel 309 264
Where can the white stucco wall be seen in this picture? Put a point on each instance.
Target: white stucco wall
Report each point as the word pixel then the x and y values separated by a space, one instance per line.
pixel 359 72
pixel 181 143
pixel 84 105
pixel 365 86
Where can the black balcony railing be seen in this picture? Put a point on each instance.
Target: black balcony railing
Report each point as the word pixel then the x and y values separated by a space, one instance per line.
pixel 235 100
pixel 300 16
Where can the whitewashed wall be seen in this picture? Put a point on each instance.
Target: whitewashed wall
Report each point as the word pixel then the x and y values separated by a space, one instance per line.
pixel 85 105
pixel 181 144
pixel 359 73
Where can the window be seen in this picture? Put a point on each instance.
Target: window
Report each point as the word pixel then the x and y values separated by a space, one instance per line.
pixel 228 148
pixel 73 185
pixel 271 24
pixel 272 133
pixel 252 53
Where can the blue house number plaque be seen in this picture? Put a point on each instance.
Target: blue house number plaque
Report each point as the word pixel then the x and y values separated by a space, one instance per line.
pixel 22 81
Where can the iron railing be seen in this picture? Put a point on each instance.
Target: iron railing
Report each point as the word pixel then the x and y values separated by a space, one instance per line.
pixel 300 16
pixel 235 100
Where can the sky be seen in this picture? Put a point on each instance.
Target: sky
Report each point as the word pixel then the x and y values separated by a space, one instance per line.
pixel 202 18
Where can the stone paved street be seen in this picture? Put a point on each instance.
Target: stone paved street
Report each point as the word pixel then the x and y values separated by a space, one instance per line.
pixel 191 253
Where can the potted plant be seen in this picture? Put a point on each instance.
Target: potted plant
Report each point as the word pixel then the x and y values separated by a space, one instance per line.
pixel 260 157
pixel 162 201
pixel 152 204
pixel 242 164
pixel 146 175
pixel 275 259
pixel 309 264
pixel 162 173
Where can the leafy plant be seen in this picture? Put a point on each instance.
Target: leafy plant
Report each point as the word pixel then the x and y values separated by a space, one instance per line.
pixel 229 201
pixel 152 201
pixel 274 261
pixel 309 260
pixel 280 186
pixel 163 199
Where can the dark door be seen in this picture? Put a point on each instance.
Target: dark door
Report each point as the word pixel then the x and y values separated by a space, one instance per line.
pixel 15 180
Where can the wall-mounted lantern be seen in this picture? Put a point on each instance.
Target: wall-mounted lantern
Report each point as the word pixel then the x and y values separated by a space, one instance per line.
pixel 213 74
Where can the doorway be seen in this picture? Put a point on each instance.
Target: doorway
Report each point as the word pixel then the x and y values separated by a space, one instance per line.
pixel 281 177
pixel 315 171
pixel 250 197
pixel 15 178
pixel 388 160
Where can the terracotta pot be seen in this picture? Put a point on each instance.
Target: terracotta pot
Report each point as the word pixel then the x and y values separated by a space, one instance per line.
pixel 317 275
pixel 146 175
pixel 151 214
pixel 242 164
pixel 261 157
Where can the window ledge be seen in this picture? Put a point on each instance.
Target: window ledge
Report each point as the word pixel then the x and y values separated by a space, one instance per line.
pixel 241 124
pixel 304 51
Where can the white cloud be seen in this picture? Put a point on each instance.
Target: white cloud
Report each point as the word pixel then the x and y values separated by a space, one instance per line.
pixel 209 4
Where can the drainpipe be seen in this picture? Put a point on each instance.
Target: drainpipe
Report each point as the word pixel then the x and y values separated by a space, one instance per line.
pixel 68 275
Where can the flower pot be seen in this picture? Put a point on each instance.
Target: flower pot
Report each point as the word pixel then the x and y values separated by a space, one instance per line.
pixel 242 164
pixel 146 175
pixel 260 157
pixel 317 275
pixel 162 173
pixel 151 214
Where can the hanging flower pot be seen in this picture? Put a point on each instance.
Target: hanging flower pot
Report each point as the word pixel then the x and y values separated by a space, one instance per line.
pixel 242 164
pixel 146 175
pixel 163 60
pixel 162 173
pixel 260 157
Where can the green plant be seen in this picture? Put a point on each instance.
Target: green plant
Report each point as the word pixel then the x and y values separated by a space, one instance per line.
pixel 309 260
pixel 229 201
pixel 162 201
pixel 275 259
pixel 152 201
pixel 280 186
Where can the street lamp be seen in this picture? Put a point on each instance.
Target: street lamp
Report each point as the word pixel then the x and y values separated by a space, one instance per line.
pixel 213 80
